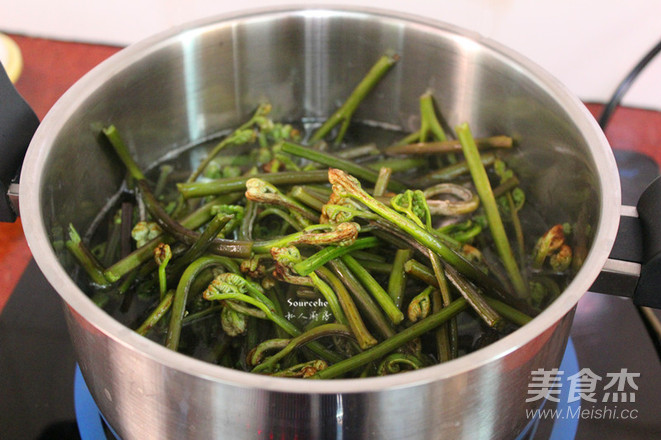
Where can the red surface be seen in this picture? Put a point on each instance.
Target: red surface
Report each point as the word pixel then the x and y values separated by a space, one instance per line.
pixel 51 67
pixel 633 129
pixel 14 256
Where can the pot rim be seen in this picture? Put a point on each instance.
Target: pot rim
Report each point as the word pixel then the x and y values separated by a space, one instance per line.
pixel 38 241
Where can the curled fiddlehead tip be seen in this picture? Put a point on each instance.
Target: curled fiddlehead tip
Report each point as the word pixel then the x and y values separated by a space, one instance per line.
pixel 561 260
pixel 254 266
pixel 225 283
pixel 343 183
pixel 162 254
pixel 286 258
pixel 345 233
pixel 413 204
pixel 264 109
pixel 339 209
pixel 234 323
pixel 242 136
pixel 472 254
pixel 304 370
pixel 236 212
pixel 420 306
pixel 330 213
pixel 335 214
pixel 395 362
pixel 277 132
pixel 261 191
pixel 341 234
pixel 312 368
pixel 145 231
pixel 551 241
pixel 257 354
pixel 468 201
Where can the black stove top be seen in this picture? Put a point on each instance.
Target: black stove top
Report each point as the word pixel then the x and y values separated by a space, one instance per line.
pixel 37 363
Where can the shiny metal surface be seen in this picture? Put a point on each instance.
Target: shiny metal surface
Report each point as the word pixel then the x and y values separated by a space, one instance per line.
pixel 178 88
pixel 623 268
pixel 12 194
pixel 618 278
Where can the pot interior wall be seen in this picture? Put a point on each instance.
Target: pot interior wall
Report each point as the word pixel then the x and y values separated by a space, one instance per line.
pixel 194 85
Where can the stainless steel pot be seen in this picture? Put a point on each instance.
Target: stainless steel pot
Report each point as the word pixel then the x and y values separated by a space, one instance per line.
pixel 181 86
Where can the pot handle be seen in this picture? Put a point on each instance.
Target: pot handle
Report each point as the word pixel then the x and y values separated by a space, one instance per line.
pixel 633 268
pixel 17 125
